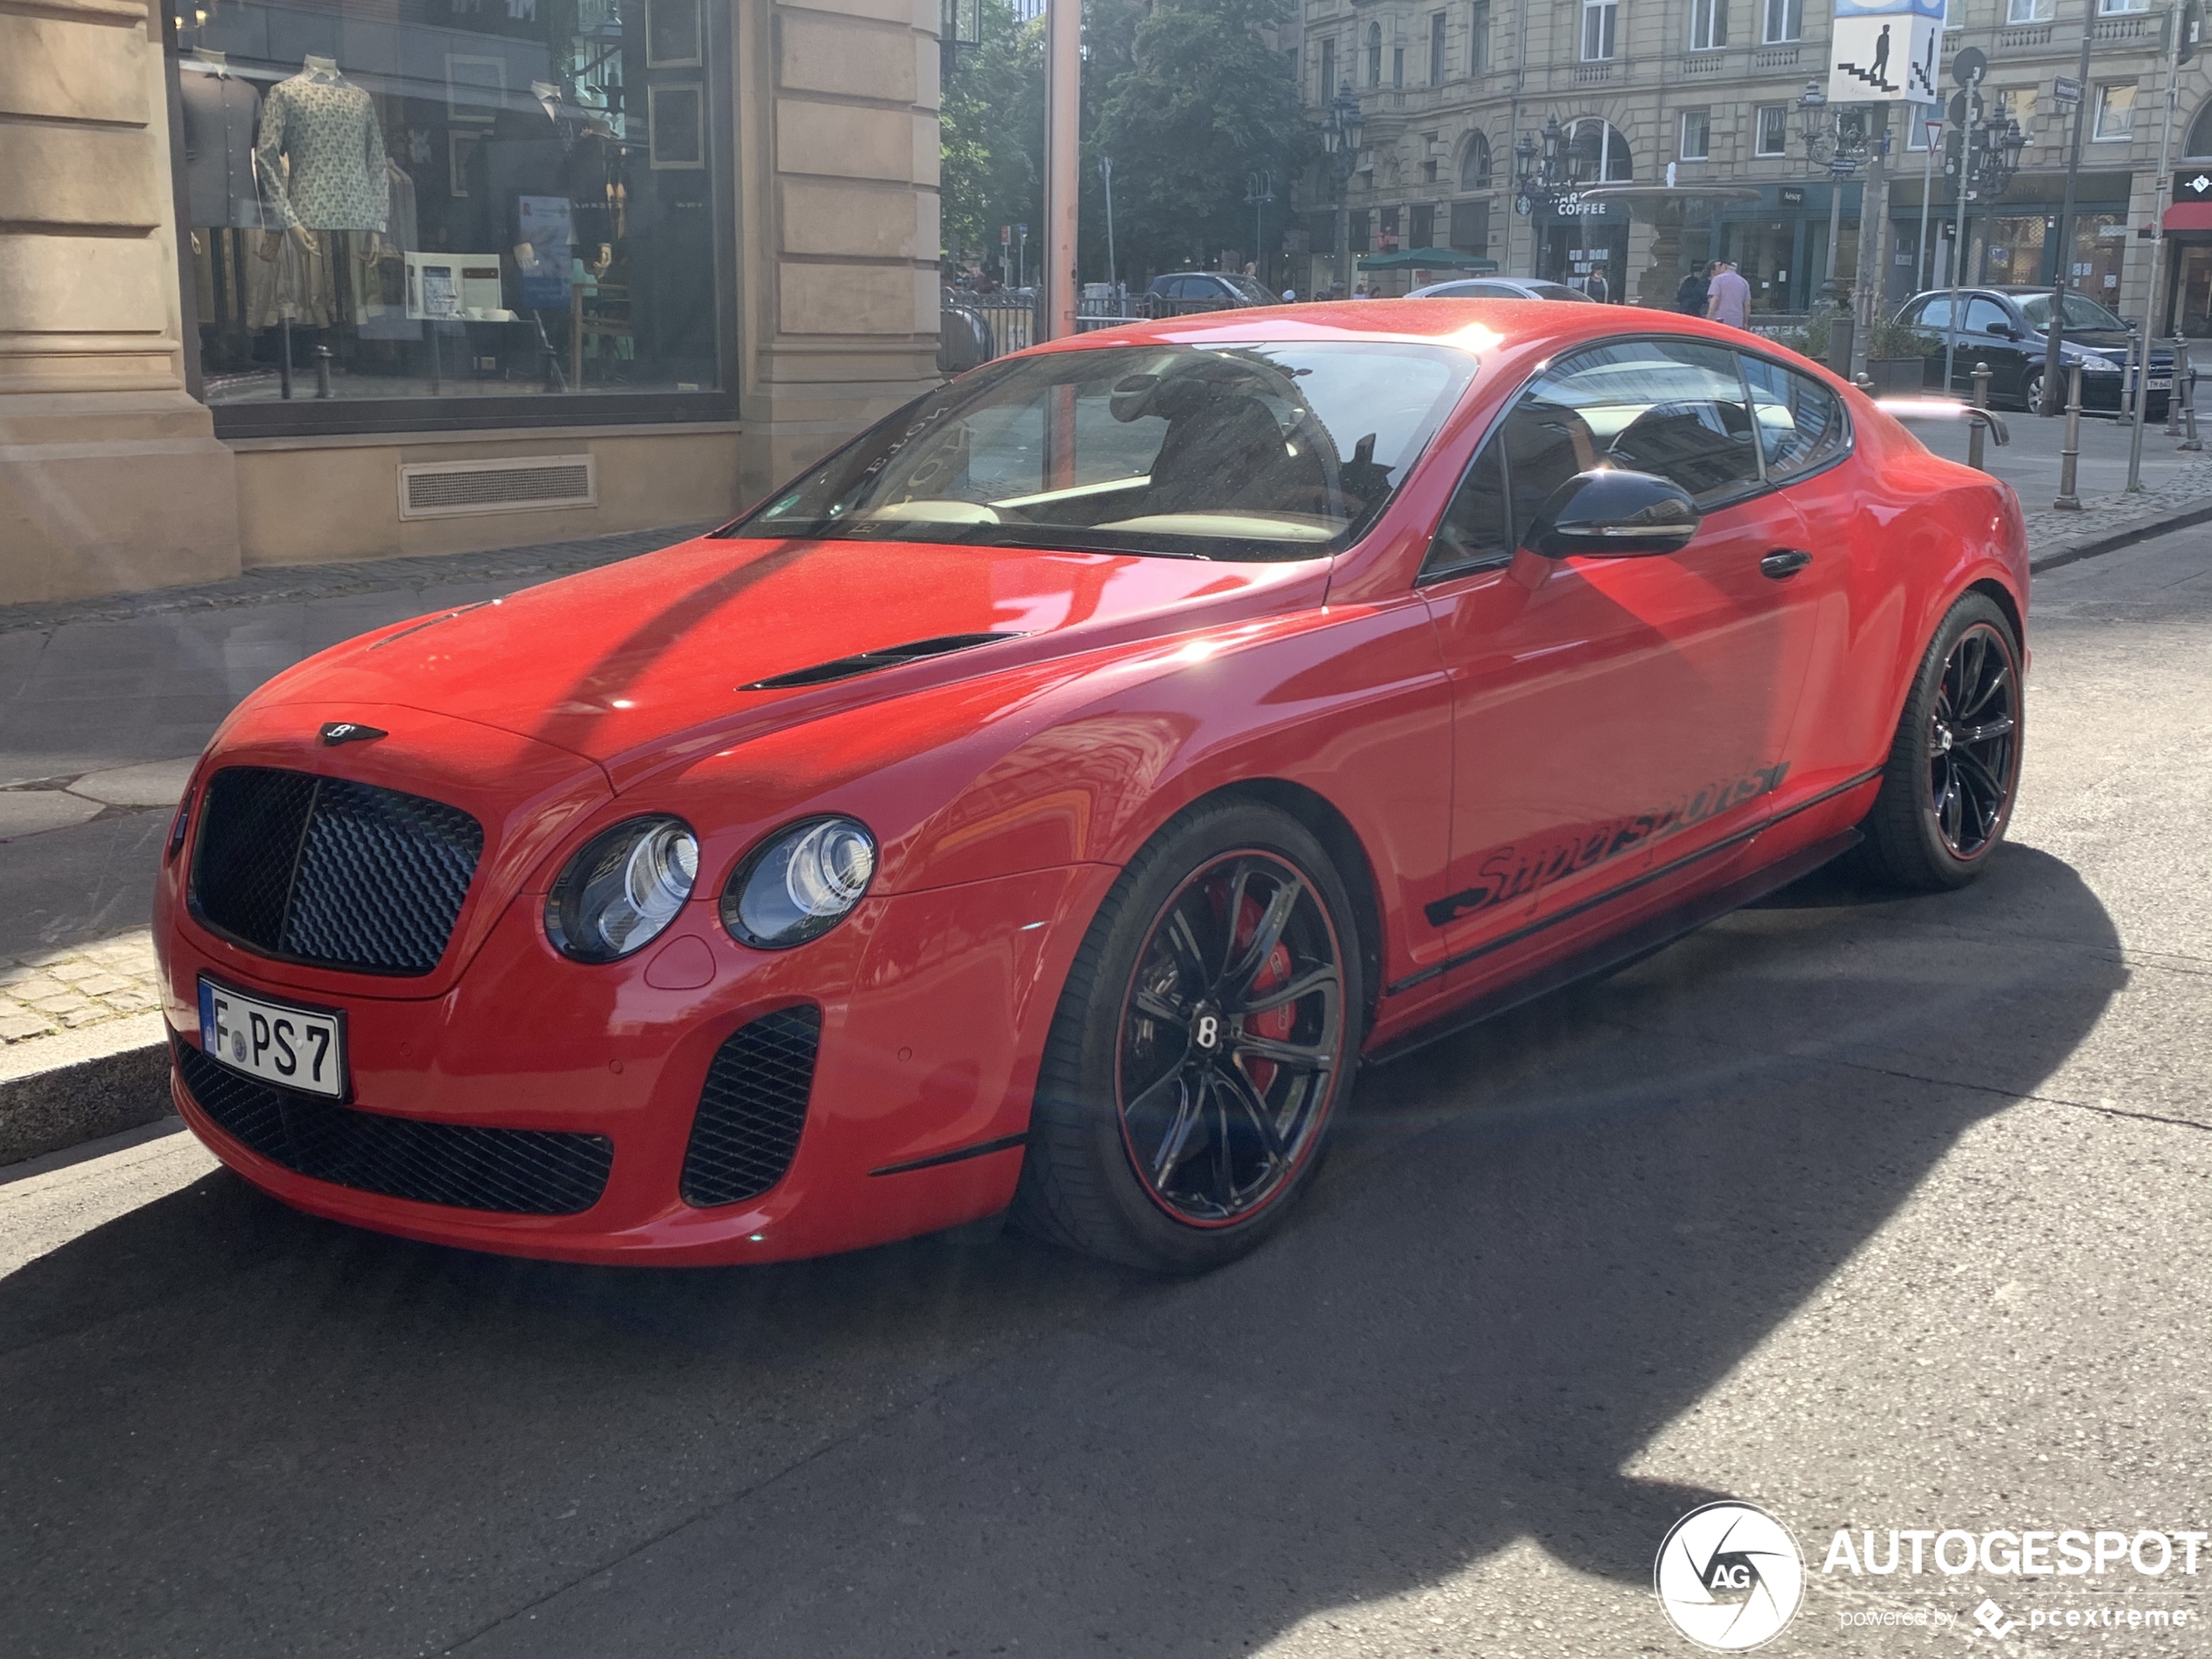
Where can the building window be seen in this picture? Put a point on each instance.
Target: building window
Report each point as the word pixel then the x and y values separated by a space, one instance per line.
pixel 1356 227
pixel 1696 134
pixel 2019 103
pixel 1374 54
pixel 1328 70
pixel 1290 60
pixel 2110 8
pixel 1917 117
pixel 1398 66
pixel 1420 230
pixel 1597 152
pixel 1479 39
pixel 1598 18
pixel 1436 49
pixel 2199 140
pixel 1708 25
pixel 1386 228
pixel 1785 20
pixel 1475 162
pixel 1470 227
pixel 2018 12
pixel 2116 112
pixel 536 224
pixel 1773 137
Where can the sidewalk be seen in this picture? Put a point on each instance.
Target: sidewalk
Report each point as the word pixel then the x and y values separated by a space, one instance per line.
pixel 105 705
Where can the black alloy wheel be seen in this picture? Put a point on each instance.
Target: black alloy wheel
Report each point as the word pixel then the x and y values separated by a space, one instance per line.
pixel 1954 769
pixel 1204 1043
pixel 1233 1030
pixel 1971 732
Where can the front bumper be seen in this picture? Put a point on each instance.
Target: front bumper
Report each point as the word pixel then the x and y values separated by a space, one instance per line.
pixel 934 1008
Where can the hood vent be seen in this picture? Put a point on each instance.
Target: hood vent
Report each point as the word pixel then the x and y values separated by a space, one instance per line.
pixel 868 662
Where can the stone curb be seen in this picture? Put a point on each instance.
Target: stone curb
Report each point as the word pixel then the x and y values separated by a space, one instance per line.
pixel 115 1076
pixel 81 1085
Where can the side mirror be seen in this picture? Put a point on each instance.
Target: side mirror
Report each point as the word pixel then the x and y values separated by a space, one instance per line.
pixel 2002 330
pixel 1608 514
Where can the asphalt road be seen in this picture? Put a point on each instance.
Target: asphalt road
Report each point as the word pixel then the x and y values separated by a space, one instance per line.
pixel 1883 1214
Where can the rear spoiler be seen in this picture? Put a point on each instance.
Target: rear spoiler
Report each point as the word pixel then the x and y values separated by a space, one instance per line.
pixel 1943 408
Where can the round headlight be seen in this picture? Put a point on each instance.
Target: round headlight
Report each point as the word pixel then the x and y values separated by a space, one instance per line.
pixel 623 889
pixel 799 883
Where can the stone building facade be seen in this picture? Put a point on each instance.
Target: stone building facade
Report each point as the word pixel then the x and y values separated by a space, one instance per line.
pixel 298 281
pixel 1710 88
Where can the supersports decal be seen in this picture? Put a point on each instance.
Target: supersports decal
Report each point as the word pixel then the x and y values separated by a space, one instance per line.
pixel 1510 873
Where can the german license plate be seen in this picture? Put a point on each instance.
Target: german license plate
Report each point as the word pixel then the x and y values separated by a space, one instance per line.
pixel 2161 382
pixel 276 1043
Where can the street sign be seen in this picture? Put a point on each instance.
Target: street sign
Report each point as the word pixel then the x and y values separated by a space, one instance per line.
pixel 1883 51
pixel 1006 234
pixel 2193 184
pixel 2065 90
pixel 1969 64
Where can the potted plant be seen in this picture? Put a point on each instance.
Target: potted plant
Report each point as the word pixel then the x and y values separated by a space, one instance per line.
pixel 1897 357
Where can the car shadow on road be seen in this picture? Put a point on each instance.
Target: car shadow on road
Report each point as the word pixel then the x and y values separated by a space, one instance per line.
pixel 238 1430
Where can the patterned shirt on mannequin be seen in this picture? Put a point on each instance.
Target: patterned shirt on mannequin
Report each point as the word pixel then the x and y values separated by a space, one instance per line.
pixel 321 153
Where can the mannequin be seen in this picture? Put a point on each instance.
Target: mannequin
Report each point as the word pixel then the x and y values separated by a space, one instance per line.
pixel 219 112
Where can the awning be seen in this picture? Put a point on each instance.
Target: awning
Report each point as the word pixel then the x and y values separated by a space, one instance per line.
pixel 2189 216
pixel 1427 259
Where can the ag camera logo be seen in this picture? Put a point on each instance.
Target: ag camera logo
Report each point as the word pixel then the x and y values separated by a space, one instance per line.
pixel 1729 1576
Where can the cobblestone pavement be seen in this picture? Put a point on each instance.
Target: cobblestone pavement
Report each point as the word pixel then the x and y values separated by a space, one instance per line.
pixel 50 990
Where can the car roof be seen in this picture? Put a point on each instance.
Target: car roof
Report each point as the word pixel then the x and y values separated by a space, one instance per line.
pixel 1479 324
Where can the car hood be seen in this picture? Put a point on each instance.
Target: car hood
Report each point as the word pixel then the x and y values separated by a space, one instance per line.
pixel 663 656
pixel 2111 343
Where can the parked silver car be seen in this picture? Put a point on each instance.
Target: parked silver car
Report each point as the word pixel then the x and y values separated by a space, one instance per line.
pixel 1498 287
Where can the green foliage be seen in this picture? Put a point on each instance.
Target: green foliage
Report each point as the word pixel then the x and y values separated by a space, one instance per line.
pixel 1202 104
pixel 1889 338
pixel 991 126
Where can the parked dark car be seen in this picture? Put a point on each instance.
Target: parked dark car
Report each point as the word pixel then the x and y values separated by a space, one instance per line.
pixel 2004 327
pixel 1180 292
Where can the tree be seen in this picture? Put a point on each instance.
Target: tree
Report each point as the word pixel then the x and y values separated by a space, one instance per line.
pixel 1202 102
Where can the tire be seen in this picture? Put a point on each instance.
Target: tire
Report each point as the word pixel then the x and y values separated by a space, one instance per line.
pixel 1953 768
pixel 2032 393
pixel 1184 1103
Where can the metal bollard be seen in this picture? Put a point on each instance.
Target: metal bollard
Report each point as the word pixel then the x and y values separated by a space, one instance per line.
pixel 2127 387
pixel 322 355
pixel 2185 390
pixel 2070 456
pixel 2174 397
pixel 1981 401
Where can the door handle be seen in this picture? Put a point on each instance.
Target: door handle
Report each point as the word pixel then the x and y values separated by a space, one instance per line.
pixel 1785 562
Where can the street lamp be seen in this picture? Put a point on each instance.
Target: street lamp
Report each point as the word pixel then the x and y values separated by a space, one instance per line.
pixel 1838 140
pixel 1980 156
pixel 1340 128
pixel 1543 177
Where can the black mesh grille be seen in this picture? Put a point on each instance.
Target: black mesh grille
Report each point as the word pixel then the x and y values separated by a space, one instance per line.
pixel 752 1107
pixel 330 872
pixel 516 1171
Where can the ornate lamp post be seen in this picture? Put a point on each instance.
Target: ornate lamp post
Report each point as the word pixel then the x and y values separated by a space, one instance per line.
pixel 1986 155
pixel 1340 128
pixel 1838 140
pixel 1543 177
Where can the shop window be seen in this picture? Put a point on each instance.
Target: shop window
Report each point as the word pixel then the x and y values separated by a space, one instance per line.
pixel 1785 20
pixel 1773 138
pixel 1708 25
pixel 481 200
pixel 1696 134
pixel 1479 38
pixel 2115 112
pixel 1600 18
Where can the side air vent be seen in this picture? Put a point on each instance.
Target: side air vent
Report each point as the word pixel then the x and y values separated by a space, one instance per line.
pixel 867 662
pixel 449 489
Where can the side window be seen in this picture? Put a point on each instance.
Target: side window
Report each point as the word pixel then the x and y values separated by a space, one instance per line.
pixel 1981 313
pixel 1800 421
pixel 1475 531
pixel 1936 313
pixel 1673 407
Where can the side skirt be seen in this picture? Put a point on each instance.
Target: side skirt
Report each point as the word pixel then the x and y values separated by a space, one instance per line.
pixel 1622 948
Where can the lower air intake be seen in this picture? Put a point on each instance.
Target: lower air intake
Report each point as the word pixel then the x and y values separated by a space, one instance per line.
pixel 512 1172
pixel 752 1109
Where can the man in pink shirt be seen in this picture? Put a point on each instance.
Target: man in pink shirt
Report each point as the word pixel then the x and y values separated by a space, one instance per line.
pixel 1729 301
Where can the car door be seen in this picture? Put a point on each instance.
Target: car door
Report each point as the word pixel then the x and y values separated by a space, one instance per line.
pixel 1610 714
pixel 1996 339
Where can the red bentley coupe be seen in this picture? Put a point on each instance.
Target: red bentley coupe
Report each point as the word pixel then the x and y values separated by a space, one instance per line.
pixel 1051 798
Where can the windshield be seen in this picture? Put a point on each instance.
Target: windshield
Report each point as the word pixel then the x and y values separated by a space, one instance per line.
pixel 1266 451
pixel 2082 312
pixel 1250 290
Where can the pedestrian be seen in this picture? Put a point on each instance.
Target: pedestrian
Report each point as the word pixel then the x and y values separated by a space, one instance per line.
pixel 1730 299
pixel 1359 293
pixel 1597 287
pixel 1695 290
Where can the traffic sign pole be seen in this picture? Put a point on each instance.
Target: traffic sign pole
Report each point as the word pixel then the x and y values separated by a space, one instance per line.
pixel 2049 403
pixel 2157 249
